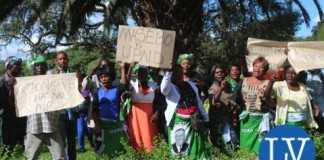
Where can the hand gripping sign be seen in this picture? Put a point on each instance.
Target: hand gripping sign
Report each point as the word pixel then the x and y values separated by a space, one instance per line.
pixel 45 93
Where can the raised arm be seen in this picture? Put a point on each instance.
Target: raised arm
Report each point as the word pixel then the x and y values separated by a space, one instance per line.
pixel 267 95
pixel 123 74
pixel 95 113
pixel 166 84
pixel 216 91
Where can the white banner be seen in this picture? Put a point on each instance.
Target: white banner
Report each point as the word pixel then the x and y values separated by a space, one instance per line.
pixel 301 55
pixel 45 93
pixel 306 55
pixel 273 51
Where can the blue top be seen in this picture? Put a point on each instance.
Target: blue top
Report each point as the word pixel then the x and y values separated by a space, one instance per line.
pixel 108 102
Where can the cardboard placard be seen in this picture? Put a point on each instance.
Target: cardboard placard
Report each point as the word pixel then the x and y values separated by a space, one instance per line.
pixel 306 55
pixel 147 46
pixel 273 51
pixel 46 93
pixel 301 55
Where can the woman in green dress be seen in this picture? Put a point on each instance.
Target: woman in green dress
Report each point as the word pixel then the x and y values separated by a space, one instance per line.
pixel 185 114
pixel 255 95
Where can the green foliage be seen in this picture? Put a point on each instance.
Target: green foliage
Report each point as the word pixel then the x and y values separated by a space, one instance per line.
pixel 26 70
pixel 2 67
pixel 82 59
pixel 318 140
pixel 16 153
pixel 227 23
pixel 224 39
pixel 79 58
pixel 160 152
pixel 319 32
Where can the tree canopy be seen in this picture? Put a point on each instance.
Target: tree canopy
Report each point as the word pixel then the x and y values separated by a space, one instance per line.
pixel 214 30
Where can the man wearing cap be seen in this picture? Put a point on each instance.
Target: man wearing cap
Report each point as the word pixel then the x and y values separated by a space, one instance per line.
pixel 12 126
pixel 43 127
pixel 67 120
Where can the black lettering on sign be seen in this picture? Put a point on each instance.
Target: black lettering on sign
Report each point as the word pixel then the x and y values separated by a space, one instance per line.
pixel 168 39
pixel 135 50
pixel 124 51
pixel 150 37
pixel 155 57
pixel 143 54
pixel 162 59
pixel 125 34
pixel 159 37
pixel 139 35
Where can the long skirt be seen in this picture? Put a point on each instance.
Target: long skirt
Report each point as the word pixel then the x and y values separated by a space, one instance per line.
pixel 113 133
pixel 250 136
pixel 183 140
pixel 141 130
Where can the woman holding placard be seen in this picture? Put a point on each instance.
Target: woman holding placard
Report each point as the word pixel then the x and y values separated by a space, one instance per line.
pixel 140 112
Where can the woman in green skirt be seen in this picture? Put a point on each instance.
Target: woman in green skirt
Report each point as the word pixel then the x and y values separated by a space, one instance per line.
pixel 185 115
pixel 294 105
pixel 255 119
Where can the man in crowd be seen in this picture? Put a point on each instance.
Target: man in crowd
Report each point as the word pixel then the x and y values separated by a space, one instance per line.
pixel 13 128
pixel 67 117
pixel 43 127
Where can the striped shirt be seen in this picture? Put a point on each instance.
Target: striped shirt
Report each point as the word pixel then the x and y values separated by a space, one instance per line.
pixel 43 123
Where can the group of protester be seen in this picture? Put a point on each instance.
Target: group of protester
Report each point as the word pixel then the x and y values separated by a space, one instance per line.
pixel 232 112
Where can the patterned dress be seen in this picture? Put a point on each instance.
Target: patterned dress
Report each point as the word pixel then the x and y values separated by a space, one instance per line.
pixel 255 119
pixel 183 138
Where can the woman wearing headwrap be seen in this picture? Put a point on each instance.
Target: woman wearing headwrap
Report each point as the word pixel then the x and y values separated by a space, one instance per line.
pixel 185 115
pixel 294 105
pixel 185 61
pixel 141 128
pixel 11 135
pixel 106 112
pixel 255 119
